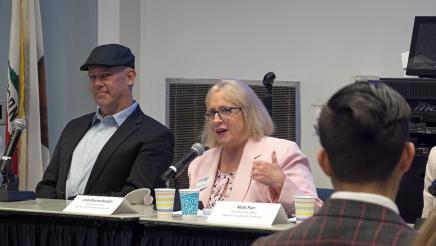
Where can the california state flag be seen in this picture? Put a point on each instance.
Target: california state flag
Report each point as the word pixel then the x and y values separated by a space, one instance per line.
pixel 26 96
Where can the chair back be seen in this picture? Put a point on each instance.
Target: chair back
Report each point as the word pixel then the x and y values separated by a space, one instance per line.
pixel 324 193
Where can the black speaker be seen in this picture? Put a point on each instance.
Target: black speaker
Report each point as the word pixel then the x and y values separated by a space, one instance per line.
pixel 421 96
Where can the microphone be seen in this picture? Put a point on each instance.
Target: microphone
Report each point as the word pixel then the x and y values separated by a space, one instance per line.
pixel 9 185
pixel 18 125
pixel 177 168
pixel 268 81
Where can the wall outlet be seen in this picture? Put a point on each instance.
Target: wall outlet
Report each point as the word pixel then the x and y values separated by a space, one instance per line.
pixel 2 112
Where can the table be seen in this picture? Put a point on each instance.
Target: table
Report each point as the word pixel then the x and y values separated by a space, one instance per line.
pixel 42 222
pixel 178 230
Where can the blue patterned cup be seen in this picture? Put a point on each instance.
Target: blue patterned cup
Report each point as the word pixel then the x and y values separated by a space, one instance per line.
pixel 189 201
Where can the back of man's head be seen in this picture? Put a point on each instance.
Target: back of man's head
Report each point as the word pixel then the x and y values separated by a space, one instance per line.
pixel 364 128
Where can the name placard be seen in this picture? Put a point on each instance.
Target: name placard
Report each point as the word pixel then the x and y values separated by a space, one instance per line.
pixel 248 213
pixel 99 205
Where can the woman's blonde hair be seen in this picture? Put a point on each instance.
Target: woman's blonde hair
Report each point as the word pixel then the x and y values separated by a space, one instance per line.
pixel 257 120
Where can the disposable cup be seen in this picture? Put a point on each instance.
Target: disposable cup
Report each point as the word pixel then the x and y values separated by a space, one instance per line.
pixel 189 201
pixel 304 207
pixel 164 201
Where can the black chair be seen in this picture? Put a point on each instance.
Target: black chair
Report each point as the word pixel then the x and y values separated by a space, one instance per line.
pixel 324 193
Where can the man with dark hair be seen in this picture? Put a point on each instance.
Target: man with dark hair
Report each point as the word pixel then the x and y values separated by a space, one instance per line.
pixel 114 150
pixel 365 151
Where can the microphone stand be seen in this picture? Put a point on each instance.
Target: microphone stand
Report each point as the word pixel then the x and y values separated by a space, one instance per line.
pixel 177 206
pixel 177 203
pixel 9 184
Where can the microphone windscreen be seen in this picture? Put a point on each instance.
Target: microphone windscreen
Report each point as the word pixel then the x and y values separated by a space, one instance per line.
pixel 19 124
pixel 269 78
pixel 199 148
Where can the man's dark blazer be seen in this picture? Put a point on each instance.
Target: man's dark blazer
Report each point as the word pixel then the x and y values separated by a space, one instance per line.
pixel 134 157
pixel 346 222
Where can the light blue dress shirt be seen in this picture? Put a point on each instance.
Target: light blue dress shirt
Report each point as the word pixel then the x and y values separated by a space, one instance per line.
pixel 86 152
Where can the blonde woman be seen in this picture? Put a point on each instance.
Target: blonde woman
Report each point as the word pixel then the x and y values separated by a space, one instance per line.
pixel 244 164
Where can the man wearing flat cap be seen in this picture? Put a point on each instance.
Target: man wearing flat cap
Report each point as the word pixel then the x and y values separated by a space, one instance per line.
pixel 114 150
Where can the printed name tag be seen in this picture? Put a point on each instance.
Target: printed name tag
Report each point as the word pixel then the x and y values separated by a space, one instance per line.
pixel 249 213
pixel 99 205
pixel 202 182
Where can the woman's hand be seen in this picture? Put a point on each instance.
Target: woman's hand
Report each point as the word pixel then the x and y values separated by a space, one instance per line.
pixel 269 173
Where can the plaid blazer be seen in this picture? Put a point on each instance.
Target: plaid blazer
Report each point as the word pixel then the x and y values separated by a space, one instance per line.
pixel 346 222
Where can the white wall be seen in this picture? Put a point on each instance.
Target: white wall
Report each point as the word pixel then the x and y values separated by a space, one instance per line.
pixel 320 43
pixel 130 26
pixel 69 29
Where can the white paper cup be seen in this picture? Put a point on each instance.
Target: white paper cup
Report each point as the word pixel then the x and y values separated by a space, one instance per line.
pixel 304 207
pixel 164 201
